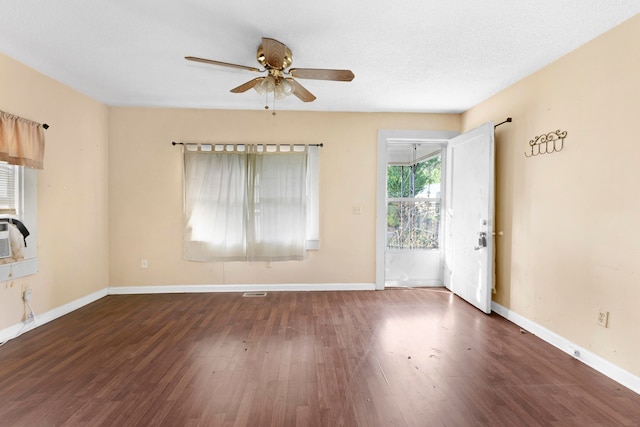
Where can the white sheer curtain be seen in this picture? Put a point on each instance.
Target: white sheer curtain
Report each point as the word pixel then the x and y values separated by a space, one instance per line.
pixel 245 204
pixel 215 206
pixel 277 206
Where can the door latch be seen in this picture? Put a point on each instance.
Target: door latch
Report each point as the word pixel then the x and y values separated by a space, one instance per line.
pixel 482 240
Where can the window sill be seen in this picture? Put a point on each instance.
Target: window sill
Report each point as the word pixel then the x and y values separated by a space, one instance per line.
pixel 312 245
pixel 15 270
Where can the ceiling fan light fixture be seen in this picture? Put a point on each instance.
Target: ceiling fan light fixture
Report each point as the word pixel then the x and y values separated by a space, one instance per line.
pixel 276 59
pixel 259 87
pixel 266 85
pixel 287 87
pixel 281 88
pixel 278 92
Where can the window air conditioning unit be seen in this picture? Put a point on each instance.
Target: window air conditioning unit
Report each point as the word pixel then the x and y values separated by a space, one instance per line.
pixel 5 244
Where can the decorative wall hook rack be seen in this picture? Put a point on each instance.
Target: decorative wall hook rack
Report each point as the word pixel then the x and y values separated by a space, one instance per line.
pixel 547 143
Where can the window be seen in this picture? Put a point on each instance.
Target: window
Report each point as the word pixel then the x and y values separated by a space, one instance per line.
pixel 22 144
pixel 10 180
pixel 413 203
pixel 18 206
pixel 249 202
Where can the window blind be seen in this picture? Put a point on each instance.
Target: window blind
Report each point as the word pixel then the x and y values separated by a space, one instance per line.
pixel 7 189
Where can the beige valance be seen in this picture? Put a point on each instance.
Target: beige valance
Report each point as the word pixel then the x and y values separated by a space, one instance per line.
pixel 21 141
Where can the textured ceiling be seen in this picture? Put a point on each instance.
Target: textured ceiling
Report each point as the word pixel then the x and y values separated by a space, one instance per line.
pixel 407 55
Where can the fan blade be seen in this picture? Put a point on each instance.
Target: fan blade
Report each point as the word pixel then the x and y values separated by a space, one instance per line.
pixel 224 64
pixel 274 52
pixel 320 74
pixel 246 86
pixel 299 91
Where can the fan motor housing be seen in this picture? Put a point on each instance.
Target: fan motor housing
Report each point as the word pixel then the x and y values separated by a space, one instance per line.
pixel 286 61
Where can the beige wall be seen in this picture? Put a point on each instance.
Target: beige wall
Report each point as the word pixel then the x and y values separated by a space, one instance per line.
pixel 72 192
pixel 571 220
pixel 145 207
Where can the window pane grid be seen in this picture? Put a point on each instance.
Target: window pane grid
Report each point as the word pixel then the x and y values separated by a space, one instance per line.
pixel 7 189
pixel 413 224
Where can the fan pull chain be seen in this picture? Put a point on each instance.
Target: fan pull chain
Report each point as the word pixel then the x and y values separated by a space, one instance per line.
pixel 266 102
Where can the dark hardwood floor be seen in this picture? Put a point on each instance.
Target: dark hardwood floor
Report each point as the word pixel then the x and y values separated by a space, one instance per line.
pixel 419 357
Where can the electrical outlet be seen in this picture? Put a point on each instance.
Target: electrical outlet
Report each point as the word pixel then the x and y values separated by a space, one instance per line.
pixel 144 263
pixel 26 295
pixel 603 318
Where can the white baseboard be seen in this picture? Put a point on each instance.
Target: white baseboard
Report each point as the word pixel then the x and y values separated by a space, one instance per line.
pixel 180 289
pixel 596 362
pixel 12 331
pixel 413 284
pixel 15 331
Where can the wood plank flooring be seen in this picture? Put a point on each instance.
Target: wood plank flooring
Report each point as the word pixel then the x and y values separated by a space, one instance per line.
pixel 410 357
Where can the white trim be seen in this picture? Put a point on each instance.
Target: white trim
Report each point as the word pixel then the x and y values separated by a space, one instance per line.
pixel 596 362
pixel 11 332
pixel 381 208
pixel 17 269
pixel 426 283
pixel 312 245
pixel 181 289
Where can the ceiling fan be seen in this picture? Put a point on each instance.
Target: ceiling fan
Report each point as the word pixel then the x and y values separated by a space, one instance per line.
pixel 275 57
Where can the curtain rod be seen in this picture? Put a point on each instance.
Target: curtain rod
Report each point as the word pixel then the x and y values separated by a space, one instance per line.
pixel 224 143
pixel 44 125
pixel 509 120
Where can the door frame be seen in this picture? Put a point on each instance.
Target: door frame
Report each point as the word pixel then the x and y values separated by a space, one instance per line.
pixel 384 136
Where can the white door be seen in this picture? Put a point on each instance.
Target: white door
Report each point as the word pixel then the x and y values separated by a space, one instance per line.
pixel 469 218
